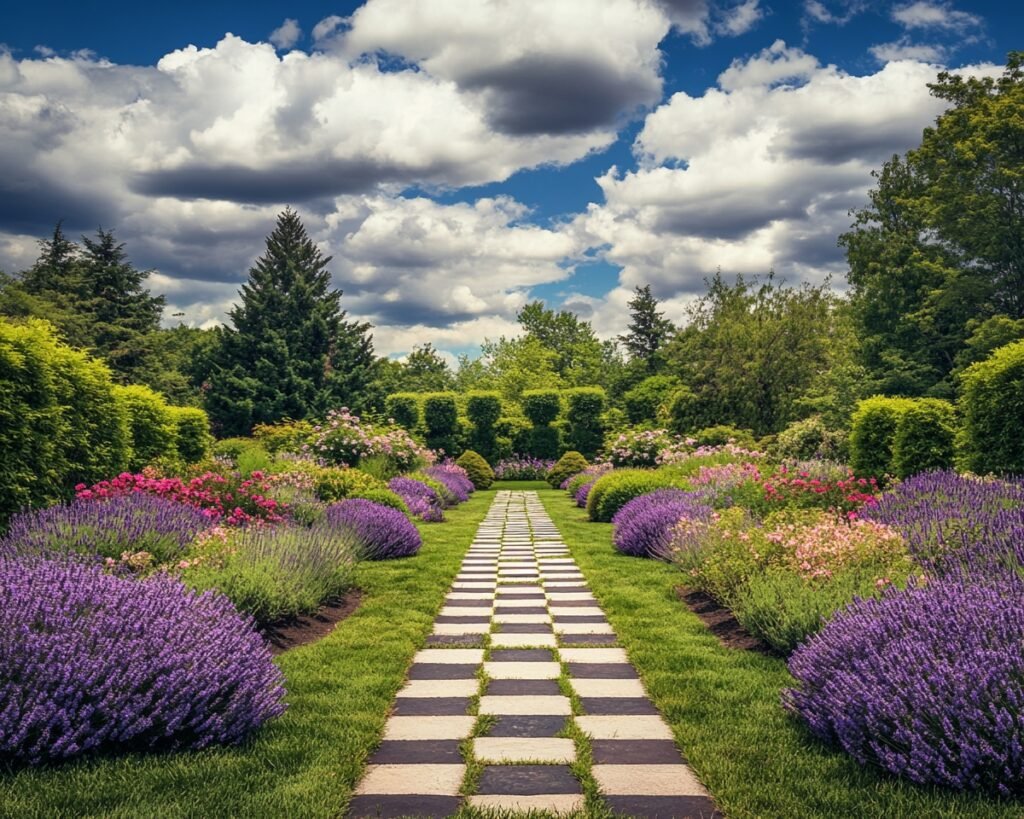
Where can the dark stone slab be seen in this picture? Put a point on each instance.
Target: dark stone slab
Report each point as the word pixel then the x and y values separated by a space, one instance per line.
pixel 455 640
pixel 631 706
pixel 588 639
pixel 461 618
pixel 467 604
pixel 572 604
pixel 527 726
pixel 500 609
pixel 392 806
pixel 635 752
pixel 431 706
pixel 664 807
pixel 528 780
pixel 442 671
pixel 523 595
pixel 523 628
pixel 524 687
pixel 419 751
pixel 602 671
pixel 581 618
pixel 521 655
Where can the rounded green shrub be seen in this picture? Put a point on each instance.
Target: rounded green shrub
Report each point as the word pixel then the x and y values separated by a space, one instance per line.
pixel 571 463
pixel 992 408
pixel 513 433
pixel 441 421
pixel 585 411
pixel 284 436
pixel 925 438
pixel 873 432
pixel 722 434
pixel 479 471
pixel 613 491
pixel 810 438
pixel 385 497
pixel 334 483
pixel 683 411
pixel 541 407
pixel 152 425
pixel 192 433
pixel 233 447
pixel 404 407
pixel 483 408
pixel 645 401
pixel 576 481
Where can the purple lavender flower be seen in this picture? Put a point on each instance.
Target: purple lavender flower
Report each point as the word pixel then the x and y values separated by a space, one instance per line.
pixel 384 532
pixel 522 468
pixel 136 522
pixel 421 500
pixel 454 478
pixel 583 493
pixel 90 662
pixel 643 525
pixel 927 683
pixel 956 525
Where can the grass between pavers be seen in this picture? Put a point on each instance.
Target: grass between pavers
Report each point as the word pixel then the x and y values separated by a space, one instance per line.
pixel 723 704
pixel 519 486
pixel 306 763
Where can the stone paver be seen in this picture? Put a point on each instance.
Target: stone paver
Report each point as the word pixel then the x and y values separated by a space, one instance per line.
pixel 518 621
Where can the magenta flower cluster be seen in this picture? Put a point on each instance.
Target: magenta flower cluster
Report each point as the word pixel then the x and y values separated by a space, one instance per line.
pixel 927 684
pixel 644 525
pixel 383 532
pixel 90 662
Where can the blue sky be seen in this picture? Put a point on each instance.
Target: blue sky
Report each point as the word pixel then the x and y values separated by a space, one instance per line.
pixel 460 158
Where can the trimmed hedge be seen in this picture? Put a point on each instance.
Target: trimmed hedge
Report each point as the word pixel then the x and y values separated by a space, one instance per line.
pixel 152 425
pixel 613 491
pixel 541 407
pixel 404 407
pixel 585 408
pixel 192 433
pixel 479 471
pixel 811 438
pixel 925 438
pixel 441 421
pixel 571 463
pixel 992 406
pixel 483 410
pixel 646 399
pixel 873 433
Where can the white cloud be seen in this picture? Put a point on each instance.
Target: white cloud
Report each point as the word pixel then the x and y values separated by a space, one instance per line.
pixel 926 15
pixel 287 34
pixel 741 19
pixel 903 49
pixel 327 27
pixel 816 11
pixel 774 64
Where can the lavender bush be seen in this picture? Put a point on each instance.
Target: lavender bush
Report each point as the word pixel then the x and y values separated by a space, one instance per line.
pixel 90 662
pixel 383 532
pixel 957 525
pixel 134 523
pixel 927 683
pixel 454 478
pixel 277 572
pixel 644 525
pixel 583 493
pixel 522 468
pixel 421 500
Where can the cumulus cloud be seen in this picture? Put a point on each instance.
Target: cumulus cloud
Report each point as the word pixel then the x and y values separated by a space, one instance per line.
pixel 926 15
pixel 758 173
pixel 741 19
pixel 287 34
pixel 903 49
pixel 816 11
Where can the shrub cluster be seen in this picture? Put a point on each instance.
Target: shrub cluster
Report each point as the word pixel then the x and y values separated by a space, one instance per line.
pixel 484 410
pixel 344 439
pixel 454 478
pixel 422 500
pixel 613 491
pixel 477 469
pixel 522 468
pixel 992 403
pixel 585 409
pixel 382 532
pixel 571 463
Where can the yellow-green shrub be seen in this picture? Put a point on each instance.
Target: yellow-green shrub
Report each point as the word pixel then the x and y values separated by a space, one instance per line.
pixel 925 437
pixel 193 438
pixel 873 432
pixel 152 424
pixel 478 470
pixel 992 406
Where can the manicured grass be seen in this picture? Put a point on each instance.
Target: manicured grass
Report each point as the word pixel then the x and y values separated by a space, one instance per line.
pixel 519 486
pixel 307 762
pixel 723 704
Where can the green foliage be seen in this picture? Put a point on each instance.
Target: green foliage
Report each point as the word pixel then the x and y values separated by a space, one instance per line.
pixel 233 447
pixel 613 491
pixel 577 358
pixel 683 411
pixel 925 438
pixel 478 470
pixel 873 432
pixel 992 407
pixel 541 406
pixel 289 352
pixel 441 421
pixel 645 402
pixel 724 434
pixel 152 424
pixel 649 330
pixel 284 436
pixel 423 370
pixel 571 463
pixel 192 433
pixel 545 442
pixel 810 438
pixel 585 408
pixel 335 483
pixel 385 497
pixel 404 407
pixel 253 459
pixel 484 411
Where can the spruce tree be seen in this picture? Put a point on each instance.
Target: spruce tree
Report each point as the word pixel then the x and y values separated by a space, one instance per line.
pixel 649 330
pixel 289 352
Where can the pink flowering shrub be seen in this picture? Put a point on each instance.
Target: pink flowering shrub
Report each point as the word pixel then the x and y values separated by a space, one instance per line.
pixel 819 546
pixel 229 499
pixel 344 439
pixel 801 489
pixel 641 447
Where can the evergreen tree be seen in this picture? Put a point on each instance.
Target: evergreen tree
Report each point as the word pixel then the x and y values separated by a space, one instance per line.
pixel 289 352
pixel 649 330
pixel 56 272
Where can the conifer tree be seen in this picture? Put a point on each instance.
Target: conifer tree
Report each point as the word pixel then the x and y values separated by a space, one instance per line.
pixel 289 352
pixel 649 330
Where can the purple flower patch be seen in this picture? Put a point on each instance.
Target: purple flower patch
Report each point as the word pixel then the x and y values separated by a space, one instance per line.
pixel 643 525
pixel 384 532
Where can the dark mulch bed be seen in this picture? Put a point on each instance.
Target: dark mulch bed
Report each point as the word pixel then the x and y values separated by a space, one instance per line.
pixel 721 622
pixel 302 630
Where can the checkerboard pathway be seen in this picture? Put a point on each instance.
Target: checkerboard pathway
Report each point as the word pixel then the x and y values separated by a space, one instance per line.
pixel 520 612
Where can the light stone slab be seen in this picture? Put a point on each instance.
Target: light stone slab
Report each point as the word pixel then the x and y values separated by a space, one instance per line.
pixel 624 727
pixel 593 655
pixel 526 705
pixel 608 688
pixel 522 618
pixel 583 628
pixel 568 596
pixel 524 749
pixel 426 780
pixel 440 688
pixel 648 780
pixel 466 611
pixel 458 727
pixel 461 628
pixel 450 656
pixel 522 671
pixel 512 640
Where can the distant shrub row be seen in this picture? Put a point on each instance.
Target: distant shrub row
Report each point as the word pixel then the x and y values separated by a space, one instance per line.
pixel 63 421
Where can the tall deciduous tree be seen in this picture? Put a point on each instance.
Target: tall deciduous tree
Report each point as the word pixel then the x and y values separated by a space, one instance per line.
pixel 649 330
pixel 577 349
pixel 289 351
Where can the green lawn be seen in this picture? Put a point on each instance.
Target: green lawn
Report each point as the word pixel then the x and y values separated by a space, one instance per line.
pixel 306 763
pixel 723 704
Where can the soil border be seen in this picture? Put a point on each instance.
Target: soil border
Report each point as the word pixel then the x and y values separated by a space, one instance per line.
pixel 721 622
pixel 300 631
